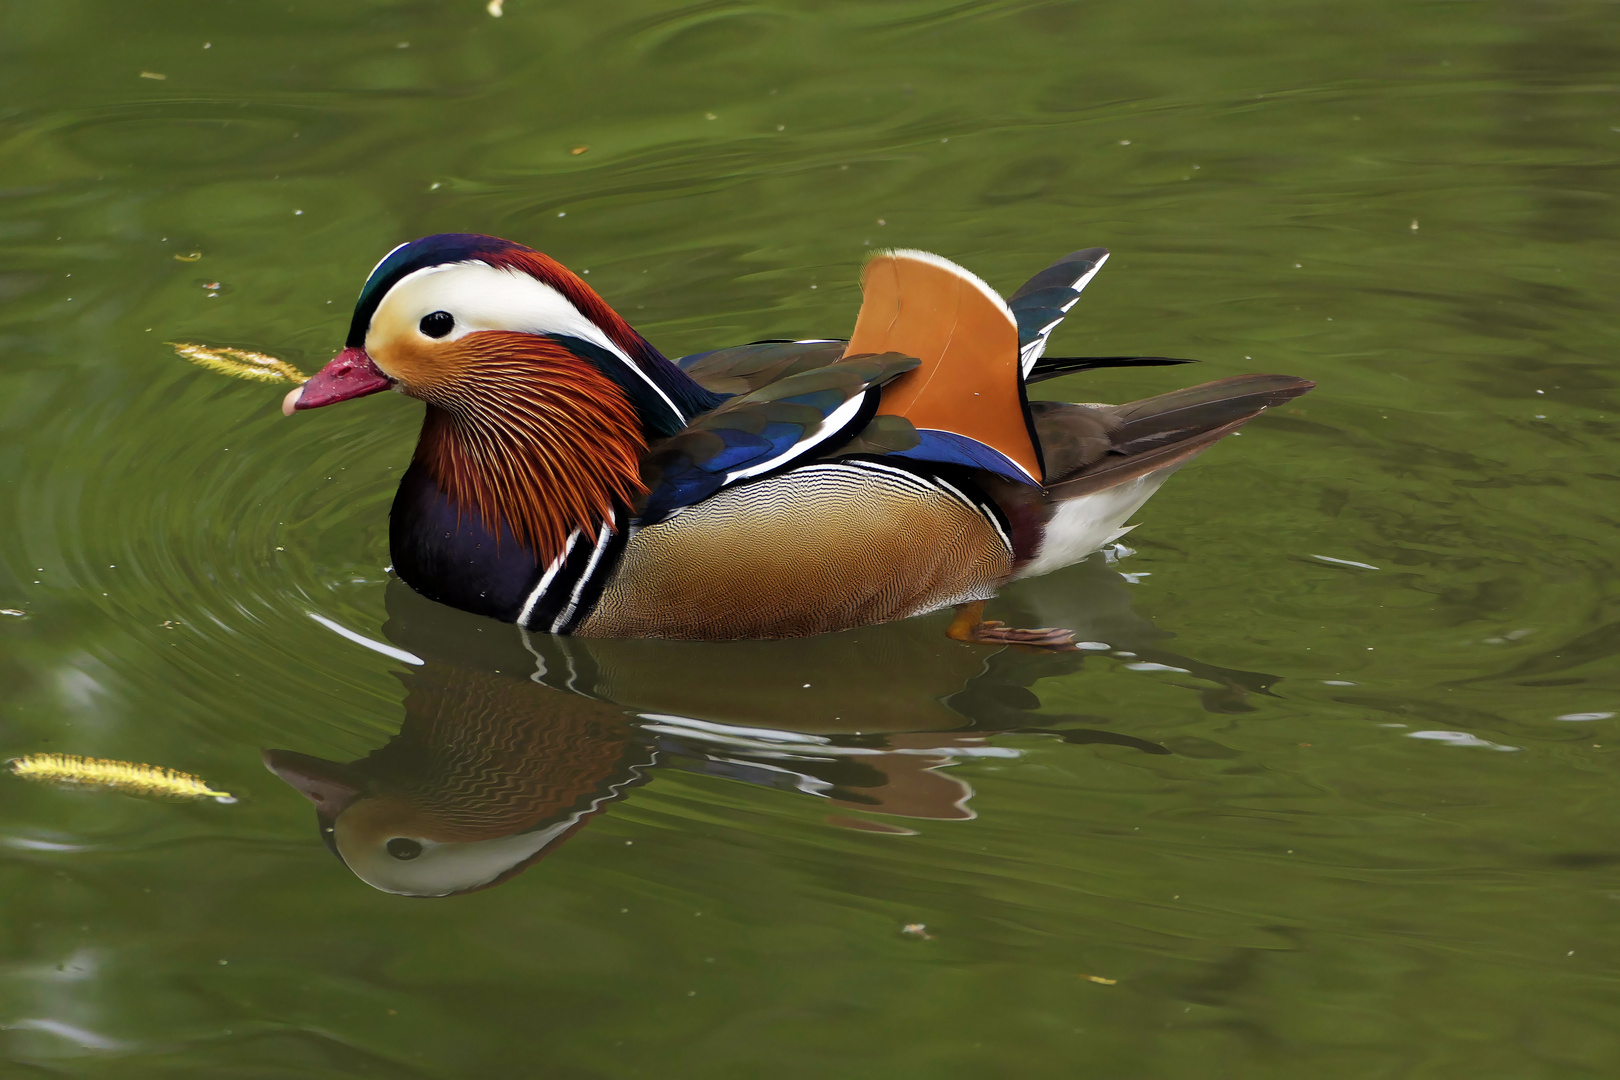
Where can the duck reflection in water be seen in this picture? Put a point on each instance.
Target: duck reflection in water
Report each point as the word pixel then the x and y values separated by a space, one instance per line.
pixel 511 742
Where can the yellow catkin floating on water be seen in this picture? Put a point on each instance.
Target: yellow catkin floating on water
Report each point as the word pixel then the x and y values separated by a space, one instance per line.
pixel 125 776
pixel 239 362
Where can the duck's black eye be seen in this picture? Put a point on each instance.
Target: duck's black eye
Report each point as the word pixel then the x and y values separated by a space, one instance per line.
pixel 438 324
pixel 400 847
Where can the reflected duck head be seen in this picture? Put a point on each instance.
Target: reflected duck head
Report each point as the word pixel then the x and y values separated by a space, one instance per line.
pixel 398 846
pixel 486 776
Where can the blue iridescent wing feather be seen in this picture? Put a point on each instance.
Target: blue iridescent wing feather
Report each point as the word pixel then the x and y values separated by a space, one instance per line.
pixel 807 413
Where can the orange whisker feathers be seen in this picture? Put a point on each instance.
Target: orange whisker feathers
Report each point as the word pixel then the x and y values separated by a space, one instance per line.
pixel 526 434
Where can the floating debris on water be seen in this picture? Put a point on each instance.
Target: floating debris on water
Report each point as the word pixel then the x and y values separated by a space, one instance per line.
pixel 153 75
pixel 15 612
pixel 1459 738
pixel 187 256
pixel 240 363
pixel 917 930
pixel 577 150
pixel 1511 635
pixel 1345 562
pixel 1100 981
pixel 127 777
pixel 494 7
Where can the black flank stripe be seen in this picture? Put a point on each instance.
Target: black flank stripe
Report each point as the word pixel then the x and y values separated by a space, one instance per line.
pixel 599 577
pixel 561 588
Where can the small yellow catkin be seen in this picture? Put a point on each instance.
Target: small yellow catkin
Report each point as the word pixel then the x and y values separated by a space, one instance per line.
pixel 240 363
pixel 124 776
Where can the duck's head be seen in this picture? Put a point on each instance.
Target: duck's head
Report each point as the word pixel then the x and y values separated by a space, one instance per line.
pixel 541 399
pixel 437 316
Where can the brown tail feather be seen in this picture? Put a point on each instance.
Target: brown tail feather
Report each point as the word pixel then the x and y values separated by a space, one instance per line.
pixel 1164 431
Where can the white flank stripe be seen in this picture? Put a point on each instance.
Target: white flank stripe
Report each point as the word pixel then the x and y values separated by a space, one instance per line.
pixel 545 581
pixel 602 537
pixel 361 639
pixel 899 474
pixel 984 511
pixel 951 488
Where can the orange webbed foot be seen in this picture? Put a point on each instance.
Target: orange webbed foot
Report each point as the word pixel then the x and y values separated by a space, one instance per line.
pixel 971 625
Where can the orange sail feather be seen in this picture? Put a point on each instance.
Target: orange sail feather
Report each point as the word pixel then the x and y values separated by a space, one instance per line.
pixel 969 382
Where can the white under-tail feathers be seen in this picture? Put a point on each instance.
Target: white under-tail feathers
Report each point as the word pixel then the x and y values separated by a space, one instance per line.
pixel 1084 525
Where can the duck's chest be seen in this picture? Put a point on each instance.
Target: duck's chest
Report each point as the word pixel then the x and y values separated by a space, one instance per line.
pixel 448 555
pixel 820 548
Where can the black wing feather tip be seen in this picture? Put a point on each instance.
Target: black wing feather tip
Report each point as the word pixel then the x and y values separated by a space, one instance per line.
pixel 1061 274
pixel 1052 367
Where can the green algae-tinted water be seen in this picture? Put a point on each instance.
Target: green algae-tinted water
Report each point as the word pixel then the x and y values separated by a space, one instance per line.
pixel 1338 800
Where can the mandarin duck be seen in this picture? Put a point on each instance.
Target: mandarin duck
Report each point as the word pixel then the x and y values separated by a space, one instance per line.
pixel 571 479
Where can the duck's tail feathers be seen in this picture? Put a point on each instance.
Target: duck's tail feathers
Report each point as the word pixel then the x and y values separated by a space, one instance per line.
pixel 1050 367
pixel 1040 304
pixel 969 383
pixel 1165 431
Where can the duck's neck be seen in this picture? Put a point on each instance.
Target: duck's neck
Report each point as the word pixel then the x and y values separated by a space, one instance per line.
pixel 540 442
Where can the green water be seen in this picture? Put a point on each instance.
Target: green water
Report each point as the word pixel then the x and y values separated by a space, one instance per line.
pixel 1412 204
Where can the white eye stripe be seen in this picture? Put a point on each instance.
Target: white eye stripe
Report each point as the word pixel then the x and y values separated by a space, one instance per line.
pixel 482 297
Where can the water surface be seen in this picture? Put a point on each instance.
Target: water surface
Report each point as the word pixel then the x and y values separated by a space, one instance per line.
pixel 1348 811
